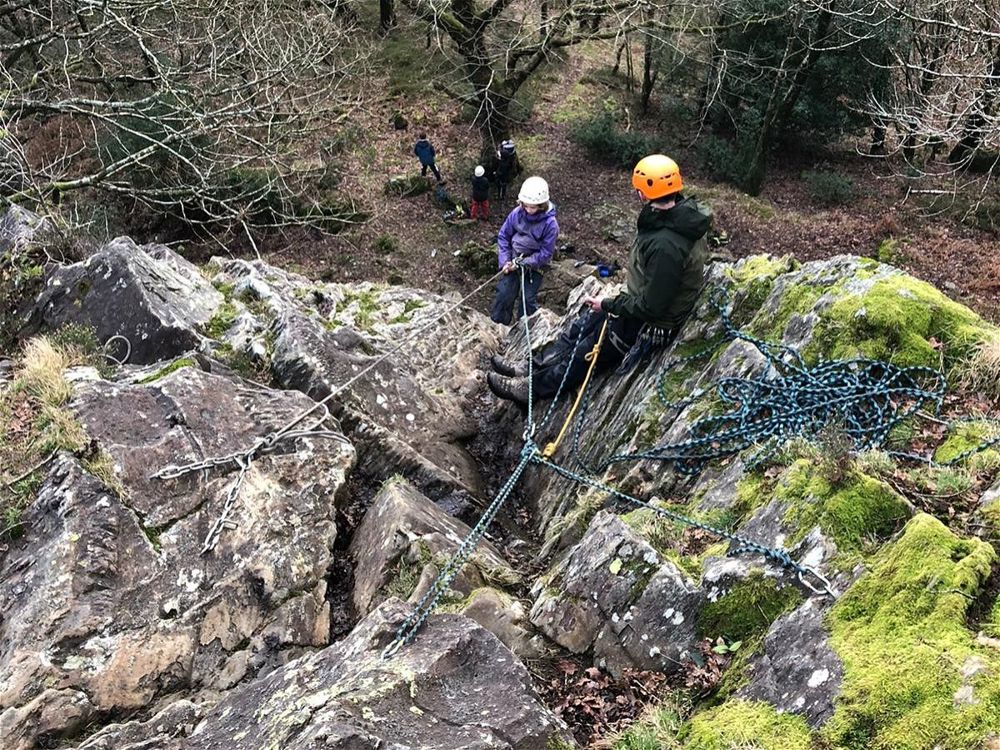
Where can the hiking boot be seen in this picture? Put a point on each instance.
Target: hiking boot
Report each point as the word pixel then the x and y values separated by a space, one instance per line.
pixel 511 389
pixel 504 367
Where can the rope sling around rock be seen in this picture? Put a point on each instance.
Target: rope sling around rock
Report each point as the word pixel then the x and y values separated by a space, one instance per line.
pixel 244 459
pixel 866 394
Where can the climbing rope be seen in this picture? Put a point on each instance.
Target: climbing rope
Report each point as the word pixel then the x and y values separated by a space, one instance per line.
pixel 591 357
pixel 111 357
pixel 243 459
pixel 868 398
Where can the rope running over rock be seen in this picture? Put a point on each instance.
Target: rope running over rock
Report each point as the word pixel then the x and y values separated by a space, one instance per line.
pixel 244 459
pixel 868 397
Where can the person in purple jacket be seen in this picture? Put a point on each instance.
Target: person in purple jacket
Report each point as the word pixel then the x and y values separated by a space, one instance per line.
pixel 527 238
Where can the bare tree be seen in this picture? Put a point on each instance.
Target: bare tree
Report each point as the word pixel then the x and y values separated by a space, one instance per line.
pixel 944 75
pixel 200 108
pixel 499 45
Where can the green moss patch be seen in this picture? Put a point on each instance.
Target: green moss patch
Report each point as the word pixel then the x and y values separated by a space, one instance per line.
pixel 901 634
pixel 221 321
pixel 745 724
pixel 849 511
pixel 174 366
pixel 748 609
pixel 754 278
pixel 895 320
pixel 796 299
pixel 965 437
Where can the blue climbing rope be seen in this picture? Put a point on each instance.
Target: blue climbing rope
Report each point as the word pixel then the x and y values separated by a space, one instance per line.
pixel 869 398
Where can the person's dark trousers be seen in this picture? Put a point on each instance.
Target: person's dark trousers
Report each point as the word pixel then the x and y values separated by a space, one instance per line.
pixel 509 295
pixel 501 189
pixel 433 167
pixel 550 365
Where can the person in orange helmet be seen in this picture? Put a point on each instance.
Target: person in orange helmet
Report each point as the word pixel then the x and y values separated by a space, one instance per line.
pixel 666 270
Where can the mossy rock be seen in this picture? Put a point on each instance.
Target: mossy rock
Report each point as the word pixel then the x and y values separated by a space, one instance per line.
pixel 748 608
pixel 850 511
pixel 746 724
pixel 481 260
pixel 753 278
pixel 866 309
pixel 965 437
pixel 914 676
pixel 407 186
pixel 901 320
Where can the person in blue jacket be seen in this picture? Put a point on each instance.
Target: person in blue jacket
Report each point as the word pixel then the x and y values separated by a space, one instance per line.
pixel 527 238
pixel 425 152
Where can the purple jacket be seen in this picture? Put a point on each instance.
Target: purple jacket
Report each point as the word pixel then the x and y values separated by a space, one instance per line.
pixel 534 237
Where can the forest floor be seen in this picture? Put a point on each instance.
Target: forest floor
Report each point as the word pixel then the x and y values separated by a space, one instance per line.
pixel 596 205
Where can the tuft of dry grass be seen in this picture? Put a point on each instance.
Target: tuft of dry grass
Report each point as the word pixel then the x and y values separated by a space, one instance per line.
pixel 41 372
pixel 981 371
pixel 35 423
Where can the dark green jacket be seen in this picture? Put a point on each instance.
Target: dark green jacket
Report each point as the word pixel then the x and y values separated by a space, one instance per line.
pixel 666 266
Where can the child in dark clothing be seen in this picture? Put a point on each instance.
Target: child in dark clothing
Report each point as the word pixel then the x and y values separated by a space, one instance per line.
pixel 425 152
pixel 506 167
pixel 480 194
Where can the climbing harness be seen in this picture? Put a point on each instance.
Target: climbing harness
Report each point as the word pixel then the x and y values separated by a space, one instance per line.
pixel 243 459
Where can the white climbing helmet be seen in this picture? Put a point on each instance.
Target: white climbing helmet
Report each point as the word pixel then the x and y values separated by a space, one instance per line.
pixel 480 171
pixel 534 191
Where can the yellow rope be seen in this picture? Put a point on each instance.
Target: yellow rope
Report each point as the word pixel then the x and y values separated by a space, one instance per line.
pixel 591 357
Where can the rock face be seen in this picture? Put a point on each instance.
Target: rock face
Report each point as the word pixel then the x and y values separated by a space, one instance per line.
pixel 613 593
pixel 409 414
pixel 402 535
pixel 18 227
pixel 826 509
pixel 798 671
pixel 455 686
pixel 149 295
pixel 108 596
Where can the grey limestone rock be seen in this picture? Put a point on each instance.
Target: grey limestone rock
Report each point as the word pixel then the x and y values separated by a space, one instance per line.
pixel 404 529
pixel 797 671
pixel 149 295
pixel 455 686
pixel 108 592
pixel 613 593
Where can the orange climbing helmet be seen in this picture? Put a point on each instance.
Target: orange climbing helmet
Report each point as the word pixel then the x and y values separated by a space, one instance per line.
pixel 657 176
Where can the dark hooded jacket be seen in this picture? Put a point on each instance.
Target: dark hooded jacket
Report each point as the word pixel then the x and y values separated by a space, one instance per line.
pixel 666 265
pixel 480 188
pixel 424 151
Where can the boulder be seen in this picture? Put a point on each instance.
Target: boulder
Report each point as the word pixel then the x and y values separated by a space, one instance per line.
pixel 403 533
pixel 455 686
pixel 409 413
pixel 613 593
pixel 150 295
pixel 561 278
pixel 19 227
pixel 108 598
pixel 797 671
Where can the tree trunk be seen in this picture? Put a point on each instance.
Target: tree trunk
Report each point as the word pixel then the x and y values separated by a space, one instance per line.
pixel 387 14
pixel 648 76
